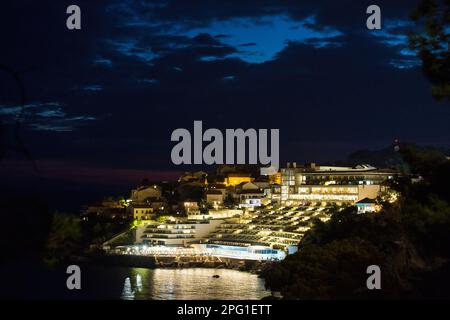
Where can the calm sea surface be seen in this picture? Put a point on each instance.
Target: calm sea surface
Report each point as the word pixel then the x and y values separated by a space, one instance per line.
pixel 112 282
pixel 196 283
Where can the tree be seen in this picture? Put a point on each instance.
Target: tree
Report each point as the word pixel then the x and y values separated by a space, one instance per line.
pixel 229 201
pixel 433 44
pixel 145 182
pixel 409 241
pixel 336 270
pixel 161 219
pixel 64 238
pixel 205 206
pixel 422 160
pixel 26 223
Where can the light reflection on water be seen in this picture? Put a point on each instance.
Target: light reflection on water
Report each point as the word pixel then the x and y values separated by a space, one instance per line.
pixel 127 292
pixel 192 283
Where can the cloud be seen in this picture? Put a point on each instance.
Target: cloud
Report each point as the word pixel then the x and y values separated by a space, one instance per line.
pixel 310 68
pixel 56 113
pixel 250 35
pixel 93 87
pixel 229 78
pixel 47 116
pixel 149 81
pixel 394 34
pixel 40 109
pixel 130 48
pixel 104 62
pixel 50 127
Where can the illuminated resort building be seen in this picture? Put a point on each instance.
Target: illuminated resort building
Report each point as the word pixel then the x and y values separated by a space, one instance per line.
pixel 305 194
pixel 279 229
pixel 233 179
pixel 330 184
pixel 175 233
pixel 269 220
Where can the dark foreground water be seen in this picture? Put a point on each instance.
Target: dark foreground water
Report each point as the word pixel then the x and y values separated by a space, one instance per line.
pixel 196 283
pixel 111 282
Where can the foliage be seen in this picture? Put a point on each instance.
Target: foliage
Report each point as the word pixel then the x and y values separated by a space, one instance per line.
pixel 205 206
pixel 347 224
pixel 422 160
pixel 383 158
pixel 432 44
pixel 64 238
pixel 409 240
pixel 190 191
pixel 162 219
pixel 428 226
pixel 125 238
pixel 26 222
pixel 230 201
pixel 334 270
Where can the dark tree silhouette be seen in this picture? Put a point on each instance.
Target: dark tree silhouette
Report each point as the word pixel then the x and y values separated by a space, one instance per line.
pixel 18 144
pixel 432 44
pixel 229 201
pixel 409 240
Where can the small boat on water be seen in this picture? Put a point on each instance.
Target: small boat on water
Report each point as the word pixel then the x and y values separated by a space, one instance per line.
pixel 216 276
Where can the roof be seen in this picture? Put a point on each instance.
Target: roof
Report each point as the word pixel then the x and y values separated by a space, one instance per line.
pixel 153 199
pixel 153 187
pixel 247 175
pixel 217 186
pixel 115 210
pixel 252 191
pixel 141 206
pixel 213 192
pixel 248 184
pixel 335 170
pixel 366 200
pixel 190 200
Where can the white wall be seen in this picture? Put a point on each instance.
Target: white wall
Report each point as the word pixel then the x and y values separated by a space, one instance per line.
pixel 370 191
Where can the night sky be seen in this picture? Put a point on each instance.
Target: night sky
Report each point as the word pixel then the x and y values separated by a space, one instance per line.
pixel 102 102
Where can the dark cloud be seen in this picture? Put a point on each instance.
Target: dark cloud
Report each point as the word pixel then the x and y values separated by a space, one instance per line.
pixel 347 15
pixel 138 70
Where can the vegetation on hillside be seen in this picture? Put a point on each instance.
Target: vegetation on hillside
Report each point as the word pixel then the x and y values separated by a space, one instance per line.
pixel 409 240
pixel 432 44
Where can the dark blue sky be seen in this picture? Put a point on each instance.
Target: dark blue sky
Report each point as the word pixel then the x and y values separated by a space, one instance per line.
pixel 109 95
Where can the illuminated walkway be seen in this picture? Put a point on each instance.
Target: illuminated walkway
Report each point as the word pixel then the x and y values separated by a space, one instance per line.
pixel 201 251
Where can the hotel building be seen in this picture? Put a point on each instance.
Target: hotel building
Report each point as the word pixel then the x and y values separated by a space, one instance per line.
pixel 272 231
pixel 175 233
pixel 330 184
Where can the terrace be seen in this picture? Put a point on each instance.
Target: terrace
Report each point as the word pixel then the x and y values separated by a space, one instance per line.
pixel 278 228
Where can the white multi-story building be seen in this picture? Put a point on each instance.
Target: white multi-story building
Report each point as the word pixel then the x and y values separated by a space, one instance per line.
pixel 175 233
pixel 330 184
